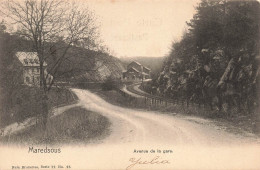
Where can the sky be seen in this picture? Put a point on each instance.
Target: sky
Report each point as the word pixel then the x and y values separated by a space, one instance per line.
pixel 132 28
pixel 147 28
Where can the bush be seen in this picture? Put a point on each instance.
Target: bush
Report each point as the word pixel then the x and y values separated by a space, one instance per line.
pixel 149 87
pixel 111 84
pixel 25 102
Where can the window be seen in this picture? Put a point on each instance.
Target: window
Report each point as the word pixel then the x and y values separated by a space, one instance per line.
pixel 25 61
pixel 27 79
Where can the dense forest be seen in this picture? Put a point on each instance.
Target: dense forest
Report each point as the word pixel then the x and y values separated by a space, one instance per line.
pixel 215 64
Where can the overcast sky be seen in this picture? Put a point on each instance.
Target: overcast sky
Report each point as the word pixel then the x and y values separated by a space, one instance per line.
pixel 142 27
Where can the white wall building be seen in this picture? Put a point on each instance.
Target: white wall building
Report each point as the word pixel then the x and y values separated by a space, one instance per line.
pixel 31 68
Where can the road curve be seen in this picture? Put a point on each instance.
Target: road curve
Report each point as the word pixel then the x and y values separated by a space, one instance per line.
pixel 146 127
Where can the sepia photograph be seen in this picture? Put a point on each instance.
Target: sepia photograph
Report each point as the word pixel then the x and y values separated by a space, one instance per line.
pixel 129 84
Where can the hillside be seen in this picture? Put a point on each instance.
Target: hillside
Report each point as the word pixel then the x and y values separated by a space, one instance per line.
pixel 78 63
pixel 87 65
pixel 217 64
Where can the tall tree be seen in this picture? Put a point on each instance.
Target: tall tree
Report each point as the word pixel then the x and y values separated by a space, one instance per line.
pixel 54 26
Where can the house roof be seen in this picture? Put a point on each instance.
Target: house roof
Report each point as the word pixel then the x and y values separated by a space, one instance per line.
pixel 147 68
pixel 133 69
pixel 136 63
pixel 140 65
pixel 29 58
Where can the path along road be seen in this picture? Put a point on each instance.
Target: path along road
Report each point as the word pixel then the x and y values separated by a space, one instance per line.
pixel 137 129
pixel 147 127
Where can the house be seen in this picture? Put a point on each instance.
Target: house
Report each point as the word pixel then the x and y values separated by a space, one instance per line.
pixel 147 72
pixel 135 71
pixel 30 66
pixel 135 65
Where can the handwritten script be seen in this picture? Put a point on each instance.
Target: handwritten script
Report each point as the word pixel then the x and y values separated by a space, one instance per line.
pixel 140 161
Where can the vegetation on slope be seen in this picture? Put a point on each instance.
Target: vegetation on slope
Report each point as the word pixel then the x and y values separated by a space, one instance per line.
pixel 76 126
pixel 216 62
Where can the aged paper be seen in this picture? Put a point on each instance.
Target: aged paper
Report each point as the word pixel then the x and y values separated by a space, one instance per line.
pixel 124 128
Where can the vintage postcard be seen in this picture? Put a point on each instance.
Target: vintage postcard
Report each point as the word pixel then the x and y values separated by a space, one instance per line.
pixel 129 84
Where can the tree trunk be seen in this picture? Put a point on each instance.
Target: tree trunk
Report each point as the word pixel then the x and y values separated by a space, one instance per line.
pixel 44 111
pixel 43 88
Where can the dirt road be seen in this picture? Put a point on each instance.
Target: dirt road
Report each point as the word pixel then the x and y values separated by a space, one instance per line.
pixel 146 127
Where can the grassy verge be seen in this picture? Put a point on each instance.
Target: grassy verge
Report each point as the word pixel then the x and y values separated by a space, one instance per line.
pixel 114 97
pixel 74 126
pixel 24 102
pixel 238 123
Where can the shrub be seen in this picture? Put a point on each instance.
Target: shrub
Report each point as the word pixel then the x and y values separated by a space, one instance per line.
pixel 111 84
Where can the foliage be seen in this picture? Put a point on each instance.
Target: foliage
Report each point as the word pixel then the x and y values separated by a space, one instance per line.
pixel 149 86
pixel 216 61
pixel 18 102
pixel 111 83
pixel 25 102
pixel 53 27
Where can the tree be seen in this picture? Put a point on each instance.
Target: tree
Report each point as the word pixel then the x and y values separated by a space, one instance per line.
pixel 218 52
pixel 48 24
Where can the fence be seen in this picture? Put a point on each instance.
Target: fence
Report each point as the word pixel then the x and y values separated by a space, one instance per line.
pixel 146 100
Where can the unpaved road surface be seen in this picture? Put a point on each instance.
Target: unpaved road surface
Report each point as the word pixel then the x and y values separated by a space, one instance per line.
pixel 147 127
